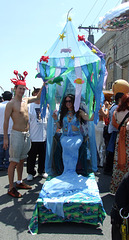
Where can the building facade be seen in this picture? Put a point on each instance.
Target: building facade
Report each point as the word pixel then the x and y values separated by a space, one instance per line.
pixel 116 47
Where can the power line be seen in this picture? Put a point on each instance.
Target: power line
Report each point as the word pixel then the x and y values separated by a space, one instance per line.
pixel 100 11
pixel 91 26
pixel 117 3
pixel 90 11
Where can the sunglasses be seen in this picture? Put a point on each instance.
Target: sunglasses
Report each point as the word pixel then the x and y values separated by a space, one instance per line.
pixel 68 101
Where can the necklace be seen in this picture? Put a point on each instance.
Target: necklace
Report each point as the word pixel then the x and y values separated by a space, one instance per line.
pixel 70 116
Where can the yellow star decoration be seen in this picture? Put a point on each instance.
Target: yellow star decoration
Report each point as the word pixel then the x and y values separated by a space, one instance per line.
pixel 69 19
pixel 72 57
pixel 93 50
pixel 62 36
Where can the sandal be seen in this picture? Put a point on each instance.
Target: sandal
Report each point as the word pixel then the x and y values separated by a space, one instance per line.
pixel 23 186
pixel 14 193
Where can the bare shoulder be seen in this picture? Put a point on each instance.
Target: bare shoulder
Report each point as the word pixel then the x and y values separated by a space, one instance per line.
pixel 10 104
pixel 9 109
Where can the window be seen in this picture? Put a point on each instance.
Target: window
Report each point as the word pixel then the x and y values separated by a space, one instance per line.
pixel 110 66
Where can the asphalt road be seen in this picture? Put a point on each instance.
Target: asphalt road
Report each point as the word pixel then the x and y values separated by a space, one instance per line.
pixel 15 214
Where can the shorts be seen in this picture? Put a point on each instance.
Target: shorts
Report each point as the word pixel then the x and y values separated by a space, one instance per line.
pixel 19 145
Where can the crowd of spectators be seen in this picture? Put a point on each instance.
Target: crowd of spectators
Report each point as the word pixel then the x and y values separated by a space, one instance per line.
pixel 112 139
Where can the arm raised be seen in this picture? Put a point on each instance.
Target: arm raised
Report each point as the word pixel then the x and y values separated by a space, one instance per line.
pixel 85 116
pixel 55 117
pixel 104 112
pixel 37 97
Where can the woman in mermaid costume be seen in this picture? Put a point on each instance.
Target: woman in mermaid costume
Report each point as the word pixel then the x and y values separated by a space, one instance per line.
pixel 71 138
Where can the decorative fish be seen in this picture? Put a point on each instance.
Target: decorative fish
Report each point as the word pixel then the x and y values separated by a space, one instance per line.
pixel 56 80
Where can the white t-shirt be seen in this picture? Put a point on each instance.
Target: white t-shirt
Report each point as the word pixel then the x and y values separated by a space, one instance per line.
pixel 38 126
pixel 2 111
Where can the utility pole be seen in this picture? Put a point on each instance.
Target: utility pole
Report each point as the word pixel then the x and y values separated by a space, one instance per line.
pixel 90 36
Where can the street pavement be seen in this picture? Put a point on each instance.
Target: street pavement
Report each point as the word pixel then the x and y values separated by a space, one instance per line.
pixel 15 214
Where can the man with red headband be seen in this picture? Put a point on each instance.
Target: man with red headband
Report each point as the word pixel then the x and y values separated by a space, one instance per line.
pixel 17 109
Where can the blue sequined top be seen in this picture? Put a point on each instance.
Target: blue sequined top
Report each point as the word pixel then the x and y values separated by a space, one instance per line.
pixel 67 126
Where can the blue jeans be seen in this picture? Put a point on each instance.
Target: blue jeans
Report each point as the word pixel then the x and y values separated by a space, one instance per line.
pixel 4 154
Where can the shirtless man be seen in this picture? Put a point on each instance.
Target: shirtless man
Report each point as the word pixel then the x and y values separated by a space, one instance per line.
pixel 19 138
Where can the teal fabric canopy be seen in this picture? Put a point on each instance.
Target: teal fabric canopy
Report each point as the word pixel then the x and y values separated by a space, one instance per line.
pixel 70 66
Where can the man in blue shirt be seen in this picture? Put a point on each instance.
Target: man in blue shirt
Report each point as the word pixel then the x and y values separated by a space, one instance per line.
pixel 112 137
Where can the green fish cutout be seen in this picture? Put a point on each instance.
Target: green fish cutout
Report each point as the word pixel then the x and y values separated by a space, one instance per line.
pixel 56 80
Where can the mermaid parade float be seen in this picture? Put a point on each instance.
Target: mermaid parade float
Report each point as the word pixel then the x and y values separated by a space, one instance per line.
pixel 70 194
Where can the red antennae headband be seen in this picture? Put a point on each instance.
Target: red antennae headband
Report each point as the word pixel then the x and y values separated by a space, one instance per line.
pixel 19 80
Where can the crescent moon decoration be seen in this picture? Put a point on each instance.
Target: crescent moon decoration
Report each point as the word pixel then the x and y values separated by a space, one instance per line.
pixel 78 91
pixel 116 19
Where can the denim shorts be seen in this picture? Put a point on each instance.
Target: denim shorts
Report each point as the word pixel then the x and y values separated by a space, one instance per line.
pixel 19 145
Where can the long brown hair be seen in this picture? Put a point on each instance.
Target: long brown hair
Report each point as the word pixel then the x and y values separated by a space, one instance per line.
pixel 64 109
pixel 124 103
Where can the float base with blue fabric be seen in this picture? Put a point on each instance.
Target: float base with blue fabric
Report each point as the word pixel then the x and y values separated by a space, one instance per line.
pixel 86 209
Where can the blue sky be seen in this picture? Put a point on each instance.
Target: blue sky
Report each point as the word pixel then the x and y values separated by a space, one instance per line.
pixel 28 28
